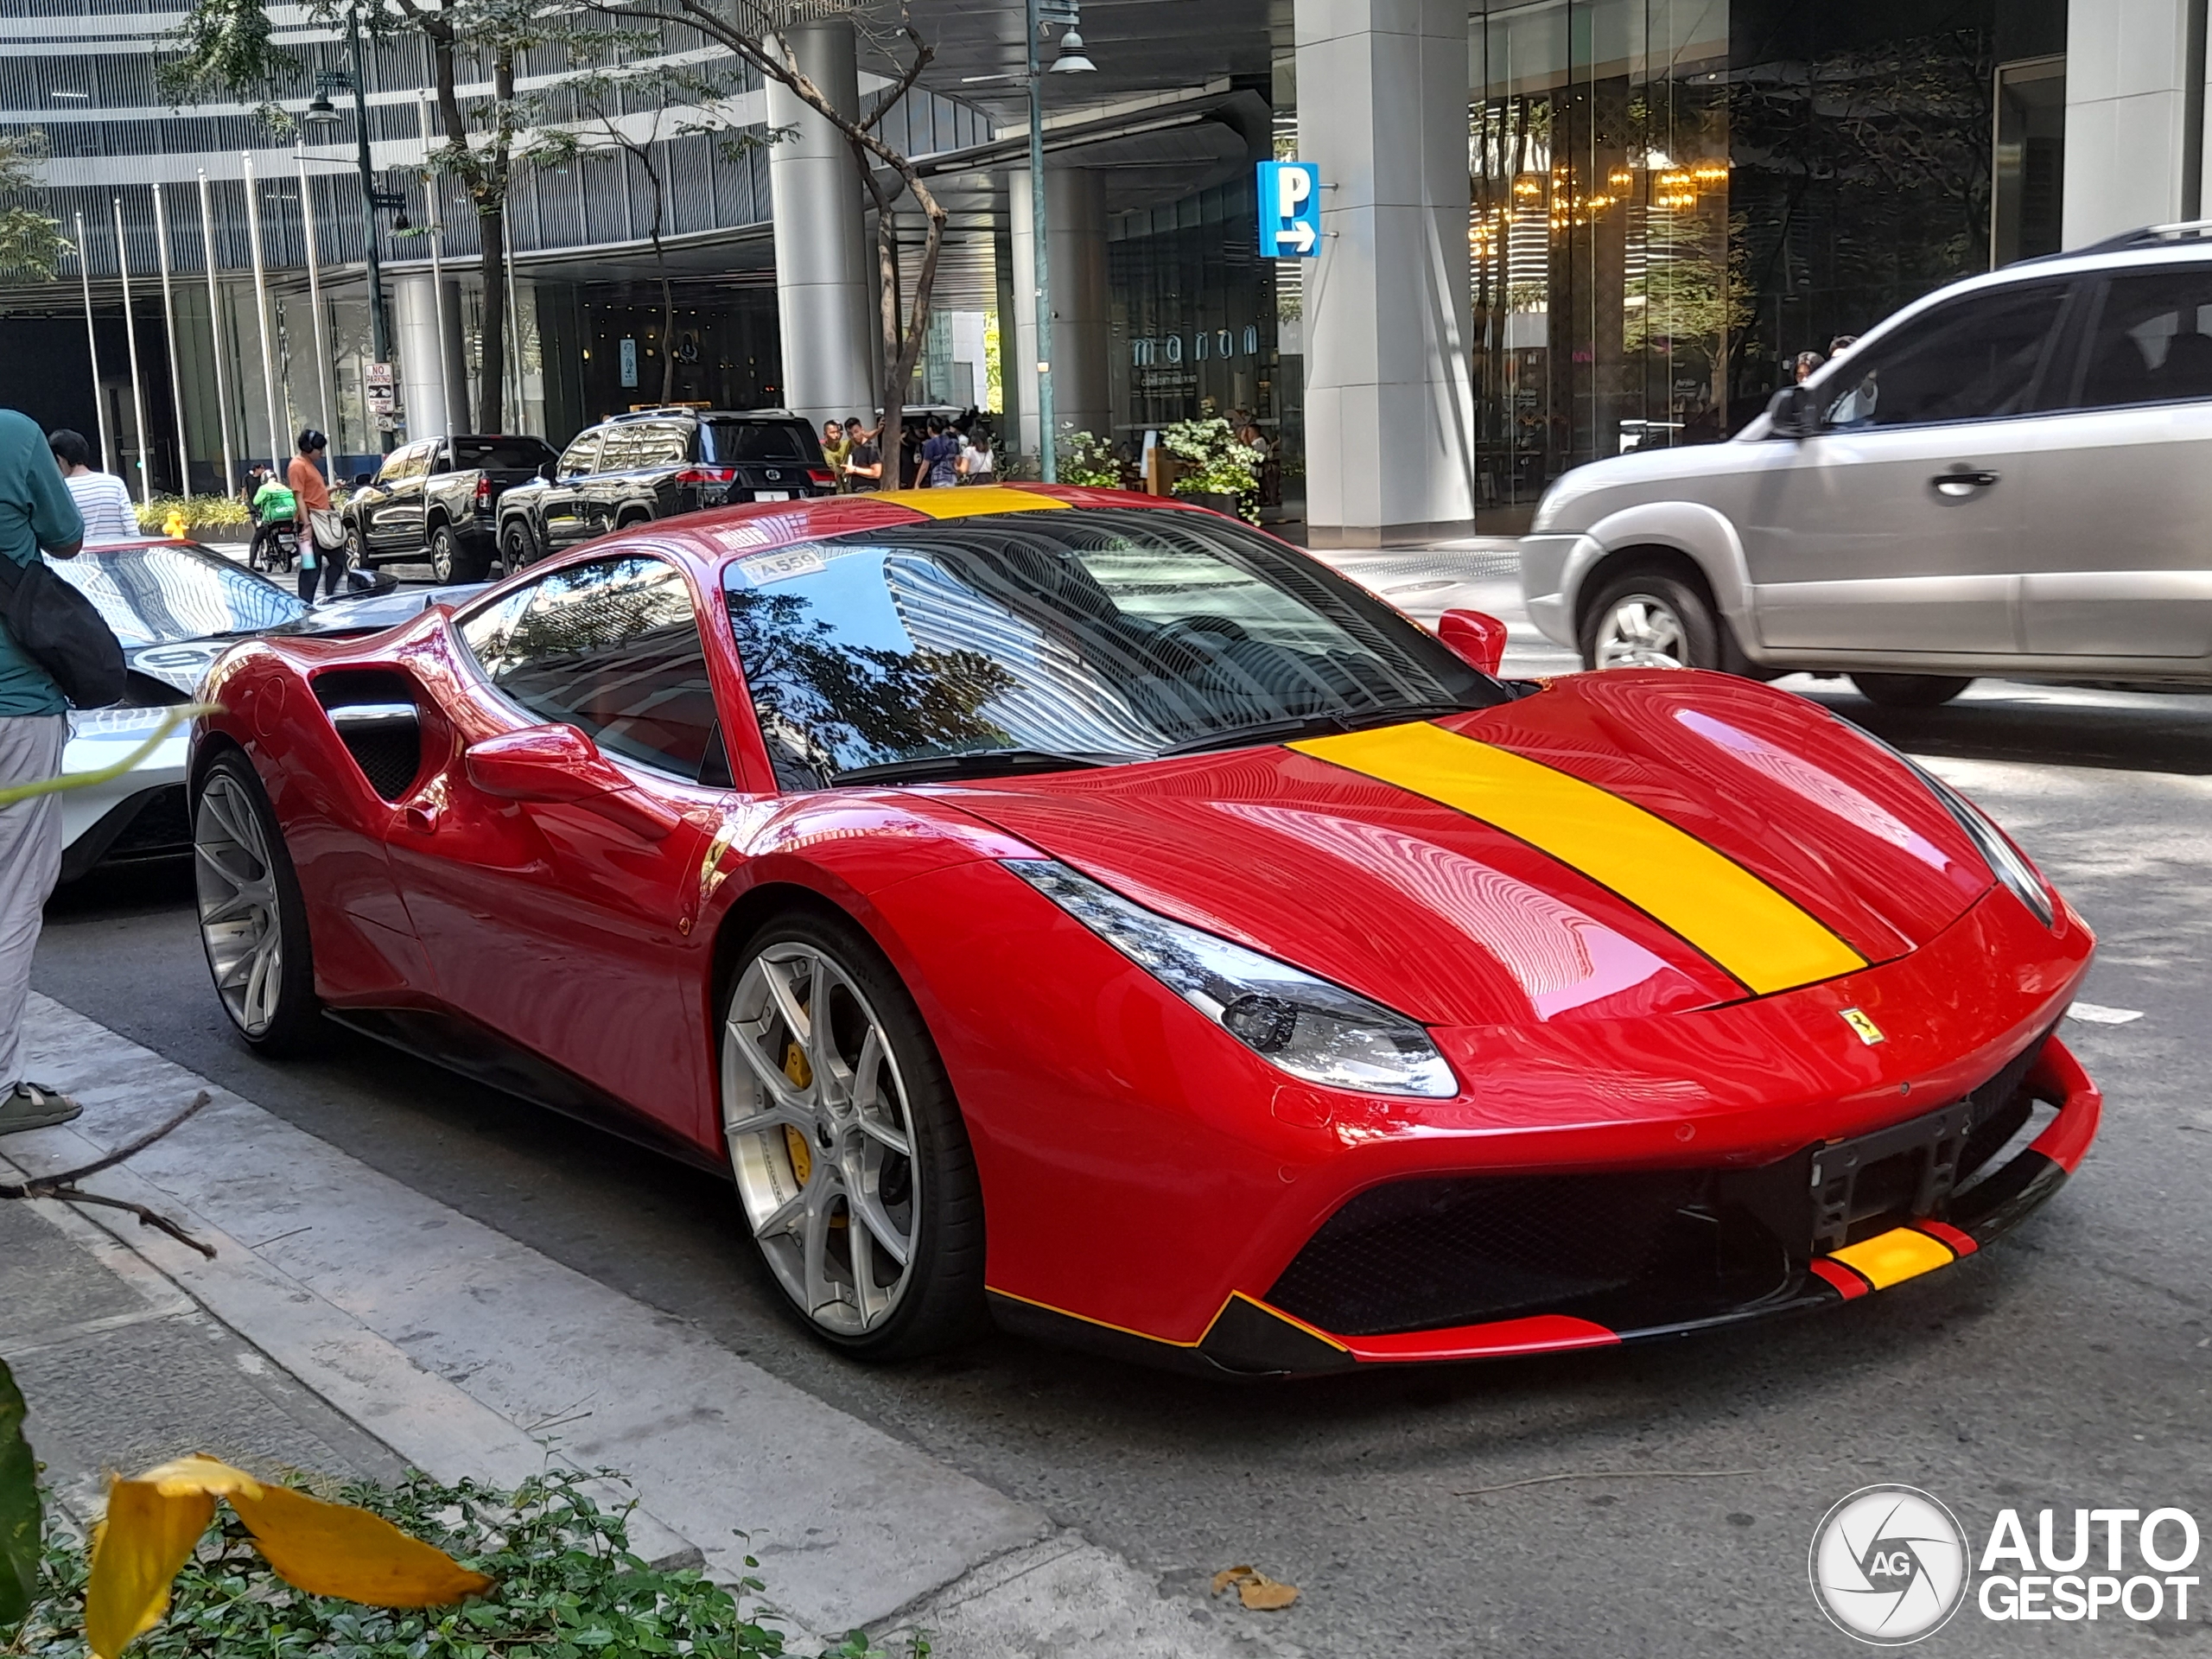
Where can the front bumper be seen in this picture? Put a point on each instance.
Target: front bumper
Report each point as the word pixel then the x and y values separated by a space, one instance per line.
pixel 1258 1336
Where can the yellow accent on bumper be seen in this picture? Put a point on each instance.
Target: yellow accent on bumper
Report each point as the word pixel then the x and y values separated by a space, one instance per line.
pixel 969 501
pixel 1890 1258
pixel 1757 934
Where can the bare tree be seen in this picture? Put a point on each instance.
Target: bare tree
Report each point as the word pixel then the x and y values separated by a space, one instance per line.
pixel 748 31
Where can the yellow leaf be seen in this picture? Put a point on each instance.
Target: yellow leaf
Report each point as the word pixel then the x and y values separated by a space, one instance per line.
pixel 199 1473
pixel 1263 1595
pixel 1229 1575
pixel 145 1539
pixel 333 1549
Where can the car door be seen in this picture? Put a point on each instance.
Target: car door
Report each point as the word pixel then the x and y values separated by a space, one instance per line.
pixel 1894 528
pixel 371 503
pixel 399 520
pixel 2119 553
pixel 562 520
pixel 560 925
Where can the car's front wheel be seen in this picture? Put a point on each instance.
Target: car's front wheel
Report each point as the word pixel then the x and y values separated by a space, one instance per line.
pixel 1650 619
pixel 445 554
pixel 253 921
pixel 1910 690
pixel 847 1146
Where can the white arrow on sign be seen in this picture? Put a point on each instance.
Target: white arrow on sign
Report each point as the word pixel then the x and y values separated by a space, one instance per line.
pixel 1298 235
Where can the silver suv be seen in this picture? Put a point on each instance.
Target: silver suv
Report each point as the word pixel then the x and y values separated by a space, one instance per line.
pixel 2011 476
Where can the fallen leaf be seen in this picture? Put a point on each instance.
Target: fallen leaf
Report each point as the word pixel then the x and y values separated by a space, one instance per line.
pixel 143 1542
pixel 1256 1589
pixel 334 1549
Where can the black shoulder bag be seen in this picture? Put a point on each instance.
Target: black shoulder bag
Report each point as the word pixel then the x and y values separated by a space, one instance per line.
pixel 58 628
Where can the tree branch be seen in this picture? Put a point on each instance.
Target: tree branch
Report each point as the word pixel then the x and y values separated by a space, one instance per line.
pixel 63 1186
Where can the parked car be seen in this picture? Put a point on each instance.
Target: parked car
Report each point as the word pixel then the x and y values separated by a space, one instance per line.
pixel 438 498
pixel 655 464
pixel 176 606
pixel 1078 908
pixel 2012 476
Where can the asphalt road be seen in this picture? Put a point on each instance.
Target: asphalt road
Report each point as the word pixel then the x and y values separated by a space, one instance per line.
pixel 2066 1368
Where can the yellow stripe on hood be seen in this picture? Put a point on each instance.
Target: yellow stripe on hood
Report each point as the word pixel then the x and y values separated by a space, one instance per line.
pixel 970 500
pixel 1762 938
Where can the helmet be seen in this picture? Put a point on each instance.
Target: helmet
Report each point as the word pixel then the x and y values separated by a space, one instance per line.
pixel 311 440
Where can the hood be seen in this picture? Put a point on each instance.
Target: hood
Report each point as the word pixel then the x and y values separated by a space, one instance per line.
pixel 1615 845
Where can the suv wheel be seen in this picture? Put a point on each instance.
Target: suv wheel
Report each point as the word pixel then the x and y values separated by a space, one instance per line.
pixel 1650 619
pixel 445 554
pixel 518 547
pixel 1908 690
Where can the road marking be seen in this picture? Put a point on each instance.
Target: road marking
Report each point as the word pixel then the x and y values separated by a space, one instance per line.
pixel 2097 1014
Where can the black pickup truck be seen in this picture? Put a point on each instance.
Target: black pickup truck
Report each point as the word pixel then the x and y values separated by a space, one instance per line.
pixel 438 498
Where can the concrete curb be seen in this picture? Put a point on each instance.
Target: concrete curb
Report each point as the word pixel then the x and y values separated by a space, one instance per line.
pixel 468 1353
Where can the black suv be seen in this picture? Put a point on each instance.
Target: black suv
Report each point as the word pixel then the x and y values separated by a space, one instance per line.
pixel 656 463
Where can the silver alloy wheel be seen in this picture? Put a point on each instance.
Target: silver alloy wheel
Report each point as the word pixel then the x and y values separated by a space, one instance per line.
pixel 821 1137
pixel 1641 631
pixel 239 921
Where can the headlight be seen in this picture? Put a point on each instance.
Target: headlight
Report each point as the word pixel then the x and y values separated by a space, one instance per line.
pixel 2003 859
pixel 1307 1027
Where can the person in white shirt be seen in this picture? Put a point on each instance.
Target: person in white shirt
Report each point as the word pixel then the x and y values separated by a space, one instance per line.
pixel 101 498
pixel 976 462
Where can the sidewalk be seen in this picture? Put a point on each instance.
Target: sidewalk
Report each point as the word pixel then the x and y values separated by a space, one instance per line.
pixel 351 1326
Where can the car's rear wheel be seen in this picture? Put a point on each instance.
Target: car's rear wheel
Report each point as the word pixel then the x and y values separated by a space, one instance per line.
pixel 253 920
pixel 445 554
pixel 1650 619
pixel 1910 690
pixel 356 549
pixel 518 547
pixel 847 1146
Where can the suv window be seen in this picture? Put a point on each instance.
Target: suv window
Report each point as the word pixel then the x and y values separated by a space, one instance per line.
pixel 404 463
pixel 582 456
pixel 518 454
pixel 1976 359
pixel 2152 342
pixel 612 647
pixel 743 443
pixel 634 445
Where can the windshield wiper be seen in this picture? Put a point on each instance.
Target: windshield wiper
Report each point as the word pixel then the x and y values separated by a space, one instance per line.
pixel 975 761
pixel 1314 725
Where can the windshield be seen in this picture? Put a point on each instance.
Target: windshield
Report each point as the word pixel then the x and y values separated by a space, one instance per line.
pixel 739 443
pixel 1108 634
pixel 517 455
pixel 159 595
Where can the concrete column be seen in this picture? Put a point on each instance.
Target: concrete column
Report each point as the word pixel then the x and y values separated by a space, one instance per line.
pixel 825 279
pixel 1083 317
pixel 433 375
pixel 1389 411
pixel 2131 155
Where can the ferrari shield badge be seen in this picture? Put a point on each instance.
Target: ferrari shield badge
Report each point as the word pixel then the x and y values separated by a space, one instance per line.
pixel 1868 1032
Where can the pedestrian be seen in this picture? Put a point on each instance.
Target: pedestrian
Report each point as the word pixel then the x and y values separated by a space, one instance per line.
pixel 977 464
pixel 863 460
pixel 274 507
pixel 939 468
pixel 833 450
pixel 320 536
pixel 1807 362
pixel 37 512
pixel 102 500
pixel 1841 343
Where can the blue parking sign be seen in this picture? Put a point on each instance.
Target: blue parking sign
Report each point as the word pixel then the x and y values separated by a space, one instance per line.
pixel 1290 210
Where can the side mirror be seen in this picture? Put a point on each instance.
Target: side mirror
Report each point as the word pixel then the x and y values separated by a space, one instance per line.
pixel 549 470
pixel 556 765
pixel 1791 411
pixel 1476 639
pixel 362 480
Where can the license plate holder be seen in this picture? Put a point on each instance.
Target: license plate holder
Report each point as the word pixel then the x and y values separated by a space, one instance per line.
pixel 1907 1171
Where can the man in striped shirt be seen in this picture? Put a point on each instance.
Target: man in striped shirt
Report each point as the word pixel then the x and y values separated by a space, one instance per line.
pixel 101 498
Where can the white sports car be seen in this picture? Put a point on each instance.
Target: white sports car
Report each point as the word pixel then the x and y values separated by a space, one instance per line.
pixel 176 606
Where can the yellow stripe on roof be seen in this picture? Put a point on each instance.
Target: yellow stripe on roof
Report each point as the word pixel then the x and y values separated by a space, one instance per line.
pixel 1760 937
pixel 967 500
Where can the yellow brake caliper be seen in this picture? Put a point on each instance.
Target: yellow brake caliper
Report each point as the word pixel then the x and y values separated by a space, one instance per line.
pixel 801 1074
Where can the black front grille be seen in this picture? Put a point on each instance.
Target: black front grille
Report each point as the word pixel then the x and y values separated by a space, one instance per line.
pixel 1630 1249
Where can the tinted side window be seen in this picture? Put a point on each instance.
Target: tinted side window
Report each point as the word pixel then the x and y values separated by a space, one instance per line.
pixel 612 647
pixel 582 456
pixel 400 464
pixel 1974 359
pixel 2152 342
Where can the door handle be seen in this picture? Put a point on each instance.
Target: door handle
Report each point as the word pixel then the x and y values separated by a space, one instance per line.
pixel 1961 481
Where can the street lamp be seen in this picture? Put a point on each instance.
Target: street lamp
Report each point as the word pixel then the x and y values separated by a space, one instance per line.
pixel 1070 60
pixel 322 115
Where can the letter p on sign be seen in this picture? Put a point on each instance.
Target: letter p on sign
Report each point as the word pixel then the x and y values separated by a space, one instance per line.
pixel 1290 210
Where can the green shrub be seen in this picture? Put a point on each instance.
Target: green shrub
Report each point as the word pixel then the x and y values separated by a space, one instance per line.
pixel 565 1586
pixel 201 512
pixel 1086 459
pixel 1212 462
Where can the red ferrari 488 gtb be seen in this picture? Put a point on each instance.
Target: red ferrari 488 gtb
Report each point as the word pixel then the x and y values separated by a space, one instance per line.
pixel 1084 909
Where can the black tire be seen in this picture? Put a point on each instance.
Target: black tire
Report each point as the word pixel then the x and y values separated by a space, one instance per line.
pixel 1910 690
pixel 518 547
pixel 229 810
pixel 1680 624
pixel 937 1299
pixel 445 555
